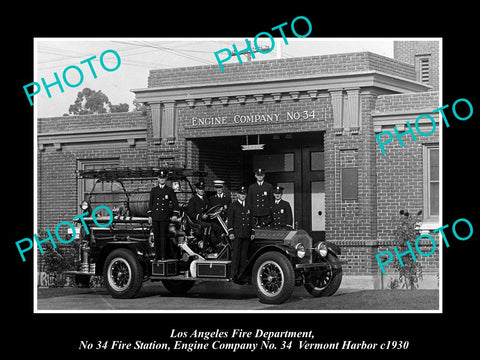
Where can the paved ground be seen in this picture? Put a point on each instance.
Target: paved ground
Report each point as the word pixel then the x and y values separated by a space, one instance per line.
pixel 227 296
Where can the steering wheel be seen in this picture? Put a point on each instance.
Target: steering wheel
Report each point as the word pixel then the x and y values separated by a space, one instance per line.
pixel 214 211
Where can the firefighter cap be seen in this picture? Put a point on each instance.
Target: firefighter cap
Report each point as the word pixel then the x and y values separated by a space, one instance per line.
pixel 278 190
pixel 200 185
pixel 242 190
pixel 259 171
pixel 218 183
pixel 162 174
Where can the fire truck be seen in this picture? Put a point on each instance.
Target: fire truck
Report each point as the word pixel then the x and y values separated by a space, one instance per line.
pixel 124 253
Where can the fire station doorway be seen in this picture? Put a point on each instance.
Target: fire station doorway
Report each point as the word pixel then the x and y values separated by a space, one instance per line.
pixel 294 161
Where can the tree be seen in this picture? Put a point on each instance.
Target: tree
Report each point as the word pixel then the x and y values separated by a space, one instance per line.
pixel 138 106
pixel 89 102
pixel 94 102
pixel 122 107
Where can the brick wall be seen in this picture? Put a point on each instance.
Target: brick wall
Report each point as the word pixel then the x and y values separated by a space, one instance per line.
pixel 280 68
pixel 99 121
pixel 400 172
pixel 57 187
pixel 411 52
pixel 407 102
pixel 352 220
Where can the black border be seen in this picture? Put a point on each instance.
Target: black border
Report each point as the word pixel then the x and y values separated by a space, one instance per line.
pixel 56 334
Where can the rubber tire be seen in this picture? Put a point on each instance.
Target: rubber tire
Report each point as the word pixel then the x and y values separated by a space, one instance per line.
pixel 334 284
pixel 178 287
pixel 288 277
pixel 136 274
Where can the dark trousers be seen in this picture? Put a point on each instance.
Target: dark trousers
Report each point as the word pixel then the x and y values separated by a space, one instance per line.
pixel 160 235
pixel 239 255
pixel 216 231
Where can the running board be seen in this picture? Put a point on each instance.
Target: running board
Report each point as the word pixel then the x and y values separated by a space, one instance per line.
pixel 182 277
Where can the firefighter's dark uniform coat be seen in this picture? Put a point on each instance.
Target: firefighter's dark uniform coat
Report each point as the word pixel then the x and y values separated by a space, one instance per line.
pixel 240 224
pixel 163 204
pixel 197 206
pixel 281 214
pixel 224 200
pixel 260 198
pixel 159 208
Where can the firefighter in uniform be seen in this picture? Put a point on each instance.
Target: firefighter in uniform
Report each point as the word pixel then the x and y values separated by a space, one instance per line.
pixel 240 223
pixel 220 198
pixel 163 202
pixel 260 198
pixel 197 207
pixel 281 210
pixel 198 203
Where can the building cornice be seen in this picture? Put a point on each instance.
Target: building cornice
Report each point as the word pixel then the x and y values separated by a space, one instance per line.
pixel 128 136
pixel 194 93
pixel 387 120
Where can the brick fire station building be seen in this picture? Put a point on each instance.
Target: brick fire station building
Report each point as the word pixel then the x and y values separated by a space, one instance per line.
pixel 315 116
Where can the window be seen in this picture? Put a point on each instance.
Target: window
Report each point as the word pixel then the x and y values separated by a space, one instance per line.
pixel 431 167
pixel 110 194
pixel 317 161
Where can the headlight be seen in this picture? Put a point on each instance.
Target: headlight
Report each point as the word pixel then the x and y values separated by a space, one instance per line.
pixel 84 205
pixel 300 250
pixel 322 249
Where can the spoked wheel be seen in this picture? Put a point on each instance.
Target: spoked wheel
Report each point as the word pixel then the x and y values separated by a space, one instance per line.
pixel 123 274
pixel 324 282
pixel 273 277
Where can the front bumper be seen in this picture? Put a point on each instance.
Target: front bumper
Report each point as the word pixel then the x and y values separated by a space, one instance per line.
pixel 321 265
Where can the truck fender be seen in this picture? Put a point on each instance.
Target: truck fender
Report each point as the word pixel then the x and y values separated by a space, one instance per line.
pixel 137 249
pixel 335 249
pixel 287 250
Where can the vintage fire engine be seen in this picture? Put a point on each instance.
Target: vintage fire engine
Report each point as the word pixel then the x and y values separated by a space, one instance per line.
pixel 123 252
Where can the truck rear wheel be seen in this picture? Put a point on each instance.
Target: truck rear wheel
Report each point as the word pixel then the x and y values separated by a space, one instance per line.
pixel 325 282
pixel 273 277
pixel 123 274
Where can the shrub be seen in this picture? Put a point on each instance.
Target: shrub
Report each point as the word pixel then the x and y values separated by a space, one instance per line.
pixel 411 271
pixel 56 261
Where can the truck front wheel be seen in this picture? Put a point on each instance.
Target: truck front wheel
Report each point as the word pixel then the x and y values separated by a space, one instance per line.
pixel 123 274
pixel 273 277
